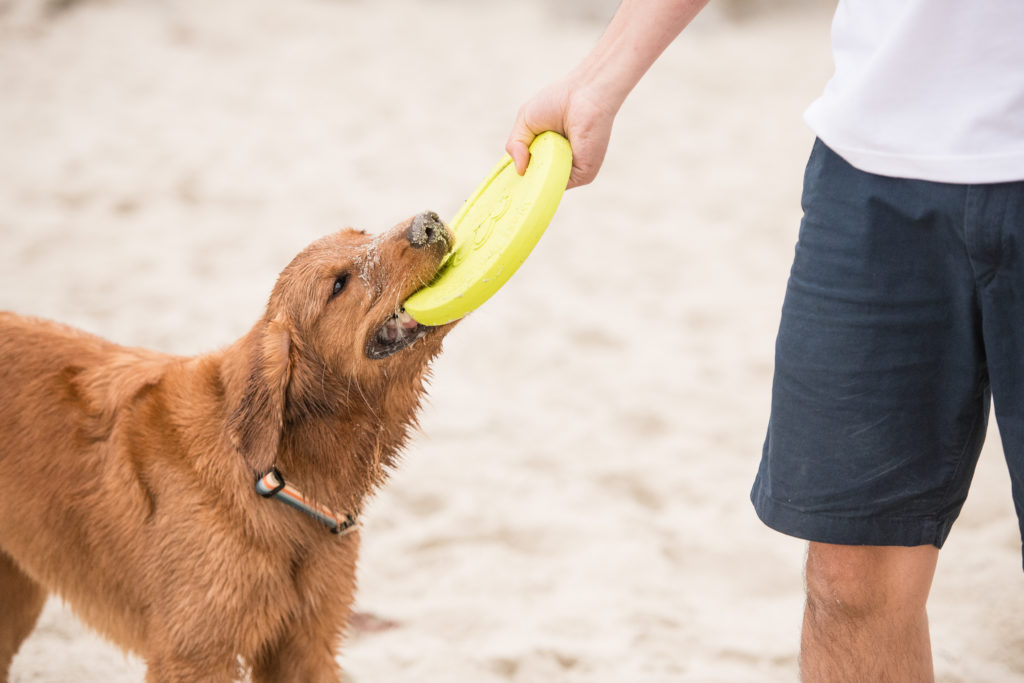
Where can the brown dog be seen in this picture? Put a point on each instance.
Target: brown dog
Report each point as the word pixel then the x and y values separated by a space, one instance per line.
pixel 129 474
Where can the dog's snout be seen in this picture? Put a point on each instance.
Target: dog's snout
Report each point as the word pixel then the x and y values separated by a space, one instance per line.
pixel 426 228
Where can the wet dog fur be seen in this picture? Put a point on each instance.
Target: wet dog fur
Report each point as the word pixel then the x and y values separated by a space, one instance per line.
pixel 129 474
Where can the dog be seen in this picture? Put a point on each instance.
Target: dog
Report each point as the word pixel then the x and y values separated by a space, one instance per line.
pixel 146 490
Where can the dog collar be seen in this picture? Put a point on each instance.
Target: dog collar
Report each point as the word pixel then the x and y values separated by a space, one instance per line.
pixel 272 485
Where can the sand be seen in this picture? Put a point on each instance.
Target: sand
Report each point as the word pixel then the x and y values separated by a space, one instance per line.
pixel 575 508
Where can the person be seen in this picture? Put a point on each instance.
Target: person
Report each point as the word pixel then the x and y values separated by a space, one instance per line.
pixel 904 309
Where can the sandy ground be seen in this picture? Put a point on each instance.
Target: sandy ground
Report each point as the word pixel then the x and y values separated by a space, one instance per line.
pixel 575 508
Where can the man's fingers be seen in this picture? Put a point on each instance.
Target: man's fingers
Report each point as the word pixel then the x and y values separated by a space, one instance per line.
pixel 518 144
pixel 575 180
pixel 520 153
pixel 579 177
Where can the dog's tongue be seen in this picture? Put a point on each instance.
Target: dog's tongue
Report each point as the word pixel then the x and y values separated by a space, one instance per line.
pixel 406 321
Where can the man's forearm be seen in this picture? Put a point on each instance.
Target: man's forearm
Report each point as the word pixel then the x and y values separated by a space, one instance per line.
pixel 636 36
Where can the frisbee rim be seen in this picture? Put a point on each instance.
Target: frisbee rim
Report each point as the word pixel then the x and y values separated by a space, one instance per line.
pixel 533 199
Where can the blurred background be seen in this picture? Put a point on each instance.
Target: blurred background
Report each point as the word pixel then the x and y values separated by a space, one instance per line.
pixel 575 508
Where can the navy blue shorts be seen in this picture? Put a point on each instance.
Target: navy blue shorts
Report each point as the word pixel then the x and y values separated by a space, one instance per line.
pixel 903 318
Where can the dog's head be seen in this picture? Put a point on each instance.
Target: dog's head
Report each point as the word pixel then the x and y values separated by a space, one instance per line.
pixel 335 337
pixel 342 296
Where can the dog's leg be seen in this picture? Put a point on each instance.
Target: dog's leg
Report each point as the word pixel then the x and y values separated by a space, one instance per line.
pixel 23 600
pixel 301 657
pixel 173 669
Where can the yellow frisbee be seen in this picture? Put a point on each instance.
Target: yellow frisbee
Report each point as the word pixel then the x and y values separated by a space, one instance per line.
pixel 495 230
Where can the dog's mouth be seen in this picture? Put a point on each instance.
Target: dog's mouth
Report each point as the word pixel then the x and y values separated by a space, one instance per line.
pixel 427 239
pixel 398 332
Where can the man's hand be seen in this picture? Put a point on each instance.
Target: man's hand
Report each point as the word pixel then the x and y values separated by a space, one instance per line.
pixel 582 106
pixel 567 109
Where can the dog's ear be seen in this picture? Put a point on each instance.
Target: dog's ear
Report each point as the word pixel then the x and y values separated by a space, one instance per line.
pixel 256 424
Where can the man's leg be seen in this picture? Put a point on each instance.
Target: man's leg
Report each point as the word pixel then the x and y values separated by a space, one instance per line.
pixel 865 617
pixel 880 403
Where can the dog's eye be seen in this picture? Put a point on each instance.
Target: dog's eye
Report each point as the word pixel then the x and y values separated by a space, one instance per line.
pixel 339 284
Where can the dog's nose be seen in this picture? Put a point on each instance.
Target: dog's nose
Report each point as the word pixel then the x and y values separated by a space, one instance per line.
pixel 426 228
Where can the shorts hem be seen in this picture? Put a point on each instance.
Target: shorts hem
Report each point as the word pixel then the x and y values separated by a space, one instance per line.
pixel 843 530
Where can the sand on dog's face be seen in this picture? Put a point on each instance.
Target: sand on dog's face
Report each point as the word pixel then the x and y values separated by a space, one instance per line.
pixel 575 509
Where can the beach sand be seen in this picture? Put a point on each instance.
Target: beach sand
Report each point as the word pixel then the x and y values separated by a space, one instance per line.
pixel 576 505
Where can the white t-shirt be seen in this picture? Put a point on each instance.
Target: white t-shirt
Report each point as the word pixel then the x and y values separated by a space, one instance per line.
pixel 928 89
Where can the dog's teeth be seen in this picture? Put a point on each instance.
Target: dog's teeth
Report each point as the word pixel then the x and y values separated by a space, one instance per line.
pixel 389 331
pixel 406 321
pixel 398 328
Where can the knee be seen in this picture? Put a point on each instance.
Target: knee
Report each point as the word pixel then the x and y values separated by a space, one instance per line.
pixel 861 582
pixel 835 584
